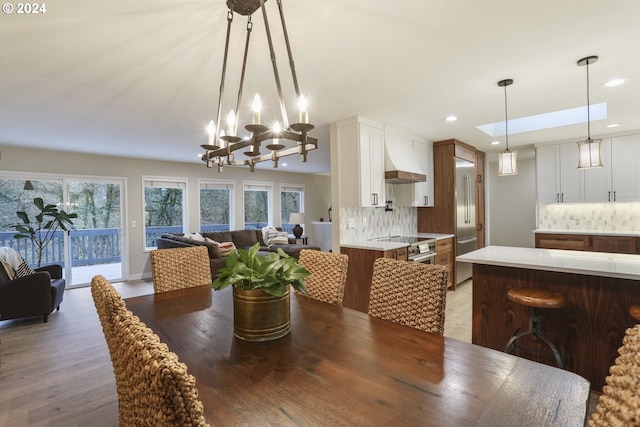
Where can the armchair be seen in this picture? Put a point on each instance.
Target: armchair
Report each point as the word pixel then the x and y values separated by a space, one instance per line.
pixel 33 295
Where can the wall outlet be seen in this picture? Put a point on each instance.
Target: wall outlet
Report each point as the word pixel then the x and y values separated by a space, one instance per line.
pixel 352 223
pixel 134 224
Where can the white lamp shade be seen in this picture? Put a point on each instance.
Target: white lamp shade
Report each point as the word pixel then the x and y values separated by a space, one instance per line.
pixel 589 154
pixel 296 218
pixel 507 163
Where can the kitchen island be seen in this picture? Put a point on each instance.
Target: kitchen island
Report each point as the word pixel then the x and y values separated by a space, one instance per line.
pixel 599 287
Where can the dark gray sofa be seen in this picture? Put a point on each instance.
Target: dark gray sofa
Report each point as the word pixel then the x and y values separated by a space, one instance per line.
pixel 242 239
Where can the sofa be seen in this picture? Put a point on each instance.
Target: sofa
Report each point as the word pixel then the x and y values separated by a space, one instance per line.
pixel 242 239
pixel 37 294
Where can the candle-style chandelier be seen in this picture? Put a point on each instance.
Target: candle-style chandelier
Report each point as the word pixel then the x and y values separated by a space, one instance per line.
pixel 219 150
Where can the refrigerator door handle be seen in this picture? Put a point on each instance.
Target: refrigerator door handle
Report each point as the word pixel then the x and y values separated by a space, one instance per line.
pixel 467 240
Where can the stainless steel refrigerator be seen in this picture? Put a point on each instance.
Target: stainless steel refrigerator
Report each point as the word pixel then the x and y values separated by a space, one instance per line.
pixel 466 240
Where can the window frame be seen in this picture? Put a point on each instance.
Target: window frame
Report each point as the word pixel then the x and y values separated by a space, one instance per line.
pixel 180 182
pixel 230 186
pixel 265 186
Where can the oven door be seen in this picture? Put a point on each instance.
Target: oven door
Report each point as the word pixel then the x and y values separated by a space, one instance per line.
pixel 426 258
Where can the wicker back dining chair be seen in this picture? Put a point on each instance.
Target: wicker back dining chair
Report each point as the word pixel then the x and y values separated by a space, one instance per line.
pixel 409 293
pixel 179 268
pixel 619 404
pixel 329 275
pixel 153 387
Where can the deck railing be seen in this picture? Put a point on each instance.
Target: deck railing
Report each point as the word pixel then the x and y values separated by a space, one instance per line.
pixel 98 246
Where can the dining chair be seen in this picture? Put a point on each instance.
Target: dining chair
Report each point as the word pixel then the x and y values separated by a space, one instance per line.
pixel 619 404
pixel 179 268
pixel 154 387
pixel 329 275
pixel 409 293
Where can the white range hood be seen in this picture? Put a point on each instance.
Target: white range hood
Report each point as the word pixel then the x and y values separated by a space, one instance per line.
pixel 400 163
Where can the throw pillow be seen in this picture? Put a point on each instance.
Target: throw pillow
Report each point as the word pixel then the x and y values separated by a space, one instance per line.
pixel 14 264
pixel 197 237
pixel 226 248
pixel 276 237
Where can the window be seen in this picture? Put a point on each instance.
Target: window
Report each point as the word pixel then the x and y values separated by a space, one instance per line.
pixel 216 203
pixel 257 204
pixel 291 200
pixel 164 207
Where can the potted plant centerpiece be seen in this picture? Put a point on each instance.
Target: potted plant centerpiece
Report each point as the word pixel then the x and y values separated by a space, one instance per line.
pixel 261 283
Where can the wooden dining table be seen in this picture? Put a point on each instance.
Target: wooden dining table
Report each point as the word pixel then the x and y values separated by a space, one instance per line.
pixel 342 367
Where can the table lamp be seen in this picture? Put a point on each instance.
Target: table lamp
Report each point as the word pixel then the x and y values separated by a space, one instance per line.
pixel 297 218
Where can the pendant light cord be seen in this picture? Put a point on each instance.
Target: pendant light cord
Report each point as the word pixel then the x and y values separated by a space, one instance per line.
pixel 588 106
pixel 506 118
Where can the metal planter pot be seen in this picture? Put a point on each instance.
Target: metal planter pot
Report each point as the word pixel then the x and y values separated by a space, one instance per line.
pixel 258 316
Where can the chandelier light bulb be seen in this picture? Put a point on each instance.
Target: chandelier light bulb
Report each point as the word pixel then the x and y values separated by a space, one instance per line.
pixel 257 107
pixel 302 106
pixel 211 130
pixel 231 123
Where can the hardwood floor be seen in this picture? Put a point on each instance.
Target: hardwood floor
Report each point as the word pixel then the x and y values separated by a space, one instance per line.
pixel 59 373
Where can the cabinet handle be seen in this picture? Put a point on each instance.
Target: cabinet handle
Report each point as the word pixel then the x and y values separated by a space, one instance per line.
pixel 562 198
pixel 374 199
pixel 614 196
pixel 558 197
pixel 609 196
pixel 426 200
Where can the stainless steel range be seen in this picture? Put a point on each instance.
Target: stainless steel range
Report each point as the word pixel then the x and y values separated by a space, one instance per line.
pixel 420 249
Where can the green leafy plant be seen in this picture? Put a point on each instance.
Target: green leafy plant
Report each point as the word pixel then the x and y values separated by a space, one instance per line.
pixel 46 223
pixel 271 273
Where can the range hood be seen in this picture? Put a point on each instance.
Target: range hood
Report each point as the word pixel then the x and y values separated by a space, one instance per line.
pixel 400 163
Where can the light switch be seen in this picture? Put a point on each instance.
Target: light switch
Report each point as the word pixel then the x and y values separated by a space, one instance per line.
pixel 134 224
pixel 352 222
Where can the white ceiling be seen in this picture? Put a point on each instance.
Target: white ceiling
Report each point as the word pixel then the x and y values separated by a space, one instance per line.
pixel 141 78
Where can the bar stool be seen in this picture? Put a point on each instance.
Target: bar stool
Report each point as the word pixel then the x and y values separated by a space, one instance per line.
pixel 634 311
pixel 536 298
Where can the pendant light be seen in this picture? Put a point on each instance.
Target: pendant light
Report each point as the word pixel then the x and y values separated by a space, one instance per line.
pixel 589 149
pixel 507 159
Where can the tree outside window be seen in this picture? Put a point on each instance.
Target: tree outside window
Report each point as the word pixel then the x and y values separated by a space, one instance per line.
pixel 291 200
pixel 164 208
pixel 257 205
pixel 216 201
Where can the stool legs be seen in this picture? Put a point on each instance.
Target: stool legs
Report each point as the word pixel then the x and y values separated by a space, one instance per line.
pixel 535 329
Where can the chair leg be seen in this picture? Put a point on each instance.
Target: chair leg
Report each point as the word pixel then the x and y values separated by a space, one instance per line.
pixel 45 317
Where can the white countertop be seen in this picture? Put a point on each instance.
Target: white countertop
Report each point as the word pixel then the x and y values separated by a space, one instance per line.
pixel 377 245
pixel 598 232
pixel 622 266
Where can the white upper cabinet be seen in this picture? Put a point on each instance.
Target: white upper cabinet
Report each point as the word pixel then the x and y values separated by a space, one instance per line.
pixel 420 193
pixel 360 155
pixel 619 179
pixel 558 180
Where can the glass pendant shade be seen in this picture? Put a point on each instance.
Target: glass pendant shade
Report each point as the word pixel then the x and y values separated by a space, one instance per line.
pixel 507 163
pixel 589 154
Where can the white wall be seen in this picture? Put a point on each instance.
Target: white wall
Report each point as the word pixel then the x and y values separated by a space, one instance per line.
pixel 512 205
pixel 317 187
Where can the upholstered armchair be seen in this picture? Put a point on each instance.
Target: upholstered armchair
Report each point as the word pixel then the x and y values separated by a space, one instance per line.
pixel 33 295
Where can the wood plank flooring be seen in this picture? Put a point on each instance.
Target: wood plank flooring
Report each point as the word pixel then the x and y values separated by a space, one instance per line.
pixel 60 374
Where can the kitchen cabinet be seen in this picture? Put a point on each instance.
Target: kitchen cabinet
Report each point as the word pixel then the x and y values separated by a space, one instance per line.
pixel 444 256
pixel 419 193
pixel 360 273
pixel 619 179
pixel 558 180
pixel 480 199
pixel 360 147
pixel 589 242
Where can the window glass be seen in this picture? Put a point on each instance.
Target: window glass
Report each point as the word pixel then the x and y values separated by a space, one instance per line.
pixel 257 205
pixel 164 208
pixel 291 200
pixel 216 202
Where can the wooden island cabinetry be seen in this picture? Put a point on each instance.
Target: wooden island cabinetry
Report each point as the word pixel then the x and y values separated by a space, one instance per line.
pixel 360 272
pixel 444 256
pixel 589 242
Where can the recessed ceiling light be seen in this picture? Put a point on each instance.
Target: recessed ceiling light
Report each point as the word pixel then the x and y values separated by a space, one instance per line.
pixel 495 142
pixel 450 118
pixel 612 125
pixel 613 82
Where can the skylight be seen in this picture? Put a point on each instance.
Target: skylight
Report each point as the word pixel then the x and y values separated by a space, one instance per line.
pixel 555 119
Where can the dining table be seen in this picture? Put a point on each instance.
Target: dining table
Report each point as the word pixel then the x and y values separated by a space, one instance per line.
pixel 340 366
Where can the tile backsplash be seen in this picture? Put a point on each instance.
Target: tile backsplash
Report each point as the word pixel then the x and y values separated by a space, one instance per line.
pixel 379 223
pixel 616 216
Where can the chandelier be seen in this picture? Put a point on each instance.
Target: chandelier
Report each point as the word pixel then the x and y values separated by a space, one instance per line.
pixel 222 145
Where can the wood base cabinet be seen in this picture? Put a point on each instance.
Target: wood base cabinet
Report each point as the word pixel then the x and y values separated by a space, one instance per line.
pixel 360 273
pixel 444 256
pixel 589 242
